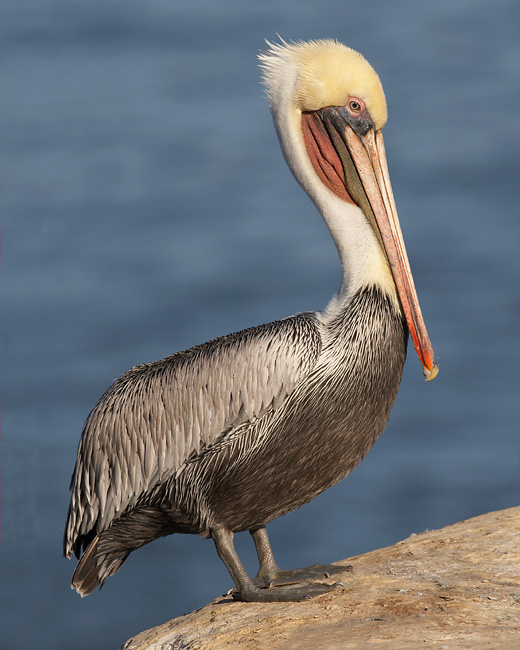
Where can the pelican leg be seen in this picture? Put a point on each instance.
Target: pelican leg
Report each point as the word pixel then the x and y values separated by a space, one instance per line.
pixel 269 570
pixel 270 574
pixel 249 592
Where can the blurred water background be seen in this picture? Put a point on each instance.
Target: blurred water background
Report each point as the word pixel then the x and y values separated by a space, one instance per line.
pixel 146 208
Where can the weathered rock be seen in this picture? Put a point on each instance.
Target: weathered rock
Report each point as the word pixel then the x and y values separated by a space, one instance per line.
pixel 449 589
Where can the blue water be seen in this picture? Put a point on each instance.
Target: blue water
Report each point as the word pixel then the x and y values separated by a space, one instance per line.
pixel 146 208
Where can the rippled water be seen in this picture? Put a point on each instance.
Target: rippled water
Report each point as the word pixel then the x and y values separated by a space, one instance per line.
pixel 146 208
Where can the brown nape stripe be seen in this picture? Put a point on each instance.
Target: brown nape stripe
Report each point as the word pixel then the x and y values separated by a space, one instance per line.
pixel 323 156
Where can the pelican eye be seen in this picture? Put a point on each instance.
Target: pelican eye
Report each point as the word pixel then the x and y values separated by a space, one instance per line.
pixel 354 105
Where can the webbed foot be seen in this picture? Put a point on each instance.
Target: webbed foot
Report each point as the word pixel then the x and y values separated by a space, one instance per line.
pixel 287 593
pixel 270 575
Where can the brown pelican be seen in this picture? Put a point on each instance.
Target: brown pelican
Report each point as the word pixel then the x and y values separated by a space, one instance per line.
pixel 228 435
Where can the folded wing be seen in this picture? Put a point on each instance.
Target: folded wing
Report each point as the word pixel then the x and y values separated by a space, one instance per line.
pixel 156 416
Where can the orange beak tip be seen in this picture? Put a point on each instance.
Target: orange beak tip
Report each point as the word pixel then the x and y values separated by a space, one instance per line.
pixel 430 374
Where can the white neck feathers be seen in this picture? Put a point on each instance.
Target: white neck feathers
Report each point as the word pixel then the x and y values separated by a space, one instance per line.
pixel 363 262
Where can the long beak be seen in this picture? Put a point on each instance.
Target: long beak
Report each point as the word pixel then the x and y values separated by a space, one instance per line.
pixel 365 163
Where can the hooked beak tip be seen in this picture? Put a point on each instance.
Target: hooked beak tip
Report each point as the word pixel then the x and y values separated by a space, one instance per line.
pixel 431 373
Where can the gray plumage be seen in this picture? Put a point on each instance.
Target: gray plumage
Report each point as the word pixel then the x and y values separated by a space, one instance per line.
pixel 157 416
pixel 234 432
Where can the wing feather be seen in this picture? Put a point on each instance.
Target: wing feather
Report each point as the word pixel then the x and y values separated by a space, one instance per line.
pixel 156 416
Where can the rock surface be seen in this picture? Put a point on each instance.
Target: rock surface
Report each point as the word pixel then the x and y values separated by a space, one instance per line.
pixel 448 589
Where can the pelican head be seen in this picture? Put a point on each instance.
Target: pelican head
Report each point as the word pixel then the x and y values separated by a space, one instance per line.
pixel 329 107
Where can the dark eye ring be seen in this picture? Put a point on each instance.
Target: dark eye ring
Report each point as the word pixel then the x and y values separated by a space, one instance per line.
pixel 354 105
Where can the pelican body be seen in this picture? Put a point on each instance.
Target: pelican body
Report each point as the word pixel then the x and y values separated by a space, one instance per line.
pixel 228 435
